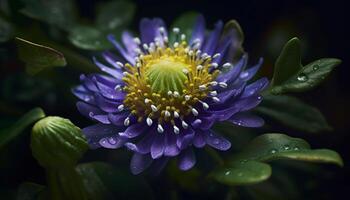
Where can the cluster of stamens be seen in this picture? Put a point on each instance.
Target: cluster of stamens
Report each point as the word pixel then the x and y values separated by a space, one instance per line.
pixel 167 80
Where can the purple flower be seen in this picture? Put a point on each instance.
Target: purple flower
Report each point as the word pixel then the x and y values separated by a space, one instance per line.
pixel 160 98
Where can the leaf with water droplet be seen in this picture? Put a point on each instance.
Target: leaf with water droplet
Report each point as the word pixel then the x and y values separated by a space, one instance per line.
pixel 89 38
pixel 294 113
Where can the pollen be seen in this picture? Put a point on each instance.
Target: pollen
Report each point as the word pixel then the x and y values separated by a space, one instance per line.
pixel 167 80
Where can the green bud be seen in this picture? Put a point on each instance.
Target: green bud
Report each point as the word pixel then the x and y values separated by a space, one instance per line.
pixel 56 142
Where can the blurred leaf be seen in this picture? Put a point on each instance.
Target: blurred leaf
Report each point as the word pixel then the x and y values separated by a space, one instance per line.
pixel 294 113
pixel 115 15
pixel 55 12
pixel 291 76
pixel 104 181
pixel 248 167
pixel 30 191
pixel 89 38
pixel 242 173
pixel 38 57
pixel 15 130
pixel 233 27
pixel 6 30
pixel 308 77
pixel 187 180
pixel 288 62
pixel 186 23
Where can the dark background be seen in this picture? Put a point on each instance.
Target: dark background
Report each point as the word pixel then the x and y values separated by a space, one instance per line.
pixel 322 28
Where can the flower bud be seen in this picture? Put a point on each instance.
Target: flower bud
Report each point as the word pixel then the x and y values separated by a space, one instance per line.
pixel 56 142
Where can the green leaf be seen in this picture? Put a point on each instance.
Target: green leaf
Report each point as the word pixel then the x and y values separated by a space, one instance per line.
pixel 288 62
pixel 115 15
pixel 294 113
pixel 276 146
pixel 55 12
pixel 291 76
pixel 104 181
pixel 248 166
pixel 15 130
pixel 233 27
pixel 242 173
pixel 38 57
pixel 6 30
pixel 89 38
pixel 308 76
pixel 185 22
pixel 30 191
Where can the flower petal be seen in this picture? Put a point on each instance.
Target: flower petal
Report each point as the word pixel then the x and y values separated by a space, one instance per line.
pixel 213 39
pixel 187 159
pixel 246 120
pixel 134 130
pixel 139 163
pixel 149 29
pixel 158 146
pixel 171 148
pixel 198 30
pixel 217 141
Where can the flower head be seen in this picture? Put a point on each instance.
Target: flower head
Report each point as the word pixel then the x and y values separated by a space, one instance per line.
pixel 160 98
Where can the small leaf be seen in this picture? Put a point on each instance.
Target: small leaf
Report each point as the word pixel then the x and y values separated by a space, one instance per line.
pixel 294 113
pixel 16 129
pixel 308 77
pixel 30 191
pixel 242 173
pixel 55 12
pixel 104 181
pixel 115 15
pixel 38 57
pixel 275 146
pixel 6 30
pixel 288 62
pixel 185 22
pixel 233 27
pixel 89 38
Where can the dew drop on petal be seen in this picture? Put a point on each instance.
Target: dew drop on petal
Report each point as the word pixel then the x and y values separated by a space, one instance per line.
pixel 216 141
pixel 111 140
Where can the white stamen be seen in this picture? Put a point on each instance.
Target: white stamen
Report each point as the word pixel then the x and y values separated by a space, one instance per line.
pixel 202 87
pixel 183 36
pixel 176 130
pixel 214 83
pixel 190 53
pixel 197 40
pixel 185 71
pixel 154 108
pixel 176 114
pixel 126 121
pixel 149 121
pixel 176 30
pixel 176 94
pixel 166 39
pixel 120 64
pixel 137 40
pixel 161 30
pixel 160 129
pixel 215 65
pixel 138 65
pixel 125 73
pixel 184 124
pixel 205 105
pixel 213 93
pixel 223 84
pixel 118 87
pixel 194 112
pixel 137 51
pixel 215 99
pixel 176 44
pixel 187 97
pixel 145 46
pixel 167 113
pixel 227 65
pixel 121 107
pixel 170 93
pixel 216 55
pixel 199 67
pixel 147 101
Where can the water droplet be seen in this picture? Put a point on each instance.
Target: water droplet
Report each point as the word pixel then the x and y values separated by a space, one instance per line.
pixel 240 174
pixel 227 172
pixel 111 140
pixel 216 141
pixel 315 67
pixel 244 75
pixel 243 161
pixel 302 77
pixel 286 147
pixel 296 148
pixel 273 151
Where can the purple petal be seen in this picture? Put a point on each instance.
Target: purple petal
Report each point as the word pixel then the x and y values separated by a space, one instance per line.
pixel 106 105
pixel 212 41
pixel 246 120
pixel 232 75
pixel 118 74
pixel 199 139
pixel 255 88
pixel 198 30
pixel 88 110
pixel 149 29
pixel 249 73
pixel 185 139
pixel 129 43
pixel 118 118
pixel 96 132
pixel 171 148
pixel 112 142
pixel 134 130
pixel 112 59
pixel 140 162
pixel 187 159
pixel 144 146
pixel 217 141
pixel 83 94
pixel 158 146
pixel 121 50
